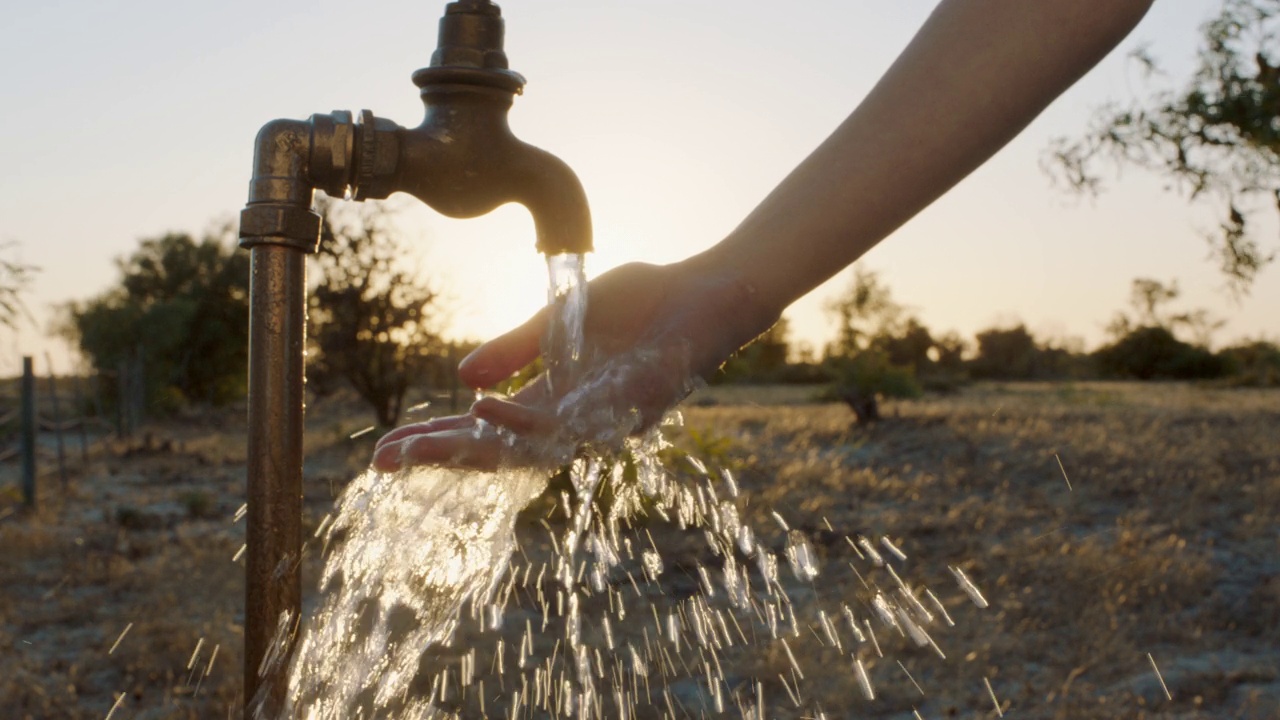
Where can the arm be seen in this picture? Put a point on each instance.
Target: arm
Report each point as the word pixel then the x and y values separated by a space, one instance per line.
pixel 977 73
pixel 973 77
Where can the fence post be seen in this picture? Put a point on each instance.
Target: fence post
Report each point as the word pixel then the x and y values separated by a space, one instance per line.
pixel 28 433
pixel 122 399
pixel 95 387
pixel 139 389
pixel 57 424
pixel 83 409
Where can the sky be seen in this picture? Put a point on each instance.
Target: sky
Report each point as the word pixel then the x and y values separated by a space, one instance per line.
pixel 127 120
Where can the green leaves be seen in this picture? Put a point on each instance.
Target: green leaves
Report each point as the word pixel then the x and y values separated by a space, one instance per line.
pixel 372 318
pixel 181 311
pixel 1218 136
pixel 15 280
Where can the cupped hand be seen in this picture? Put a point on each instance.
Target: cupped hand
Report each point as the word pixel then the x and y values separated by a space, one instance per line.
pixel 651 332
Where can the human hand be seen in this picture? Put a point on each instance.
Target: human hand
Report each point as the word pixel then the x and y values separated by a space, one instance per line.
pixel 651 332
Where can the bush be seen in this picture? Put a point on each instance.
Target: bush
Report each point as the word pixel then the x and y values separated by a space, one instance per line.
pixel 1254 364
pixel 198 504
pixel 861 380
pixel 177 320
pixel 1153 353
pixel 1005 354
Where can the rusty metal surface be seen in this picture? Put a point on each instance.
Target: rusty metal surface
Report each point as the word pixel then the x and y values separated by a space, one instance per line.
pixel 276 336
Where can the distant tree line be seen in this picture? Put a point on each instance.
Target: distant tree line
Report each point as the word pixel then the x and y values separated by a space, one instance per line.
pixel 882 350
pixel 176 327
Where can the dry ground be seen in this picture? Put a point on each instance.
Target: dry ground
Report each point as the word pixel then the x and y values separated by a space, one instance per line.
pixel 1165 544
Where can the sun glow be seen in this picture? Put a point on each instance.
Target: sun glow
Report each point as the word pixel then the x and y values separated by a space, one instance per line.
pixel 487 269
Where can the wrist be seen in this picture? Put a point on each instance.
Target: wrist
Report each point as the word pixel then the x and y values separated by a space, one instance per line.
pixel 725 307
pixel 758 292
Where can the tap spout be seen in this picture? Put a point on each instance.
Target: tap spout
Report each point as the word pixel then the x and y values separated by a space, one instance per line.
pixel 464 161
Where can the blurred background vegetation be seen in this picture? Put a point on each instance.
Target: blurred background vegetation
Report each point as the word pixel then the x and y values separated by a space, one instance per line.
pixel 178 316
pixel 172 331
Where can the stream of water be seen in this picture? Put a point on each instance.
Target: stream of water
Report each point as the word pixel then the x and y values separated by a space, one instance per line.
pixel 607 627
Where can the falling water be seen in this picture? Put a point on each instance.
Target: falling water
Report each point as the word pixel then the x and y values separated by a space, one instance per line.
pixel 562 347
pixel 421 558
pixel 408 549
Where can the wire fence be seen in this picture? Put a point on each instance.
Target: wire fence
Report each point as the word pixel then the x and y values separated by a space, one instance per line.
pixel 50 425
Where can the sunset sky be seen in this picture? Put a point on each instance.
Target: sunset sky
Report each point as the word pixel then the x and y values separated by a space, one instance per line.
pixel 127 119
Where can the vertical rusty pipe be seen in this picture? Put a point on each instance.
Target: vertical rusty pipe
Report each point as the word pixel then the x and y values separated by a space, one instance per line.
pixel 279 229
pixel 276 335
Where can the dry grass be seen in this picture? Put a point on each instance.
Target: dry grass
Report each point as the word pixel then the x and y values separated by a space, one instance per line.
pixel 1165 544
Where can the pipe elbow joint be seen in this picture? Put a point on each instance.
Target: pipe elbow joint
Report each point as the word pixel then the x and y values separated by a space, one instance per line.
pixel 280 192
pixel 281 155
pixel 294 158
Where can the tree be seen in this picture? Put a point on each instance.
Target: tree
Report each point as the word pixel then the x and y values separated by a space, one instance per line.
pixel 1148 299
pixel 862 379
pixel 1147 295
pixel 1217 136
pixel 181 311
pixel 910 346
pixel 869 319
pixel 372 318
pixel 1006 353
pixel 1013 353
pixel 762 360
pixel 15 281
pixel 865 310
pixel 1153 353
pixel 1254 363
pixel 1145 343
pixel 948 353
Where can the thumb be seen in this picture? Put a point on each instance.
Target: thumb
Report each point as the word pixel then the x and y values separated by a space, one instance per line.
pixel 502 356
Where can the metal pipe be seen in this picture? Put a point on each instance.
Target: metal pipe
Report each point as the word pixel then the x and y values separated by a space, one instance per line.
pixel 279 228
pixel 274 589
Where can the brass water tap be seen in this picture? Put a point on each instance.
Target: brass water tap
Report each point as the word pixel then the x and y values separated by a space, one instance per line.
pixel 463 161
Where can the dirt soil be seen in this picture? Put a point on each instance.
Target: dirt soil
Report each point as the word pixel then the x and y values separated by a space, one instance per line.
pixel 1114 529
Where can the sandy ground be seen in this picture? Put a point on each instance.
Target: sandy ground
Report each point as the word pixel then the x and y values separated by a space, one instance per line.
pixel 1113 529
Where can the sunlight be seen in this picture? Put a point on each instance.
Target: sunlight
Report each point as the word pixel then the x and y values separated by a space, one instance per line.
pixel 487 269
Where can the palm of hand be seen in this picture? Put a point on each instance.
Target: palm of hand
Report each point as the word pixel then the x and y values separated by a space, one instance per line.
pixel 649 332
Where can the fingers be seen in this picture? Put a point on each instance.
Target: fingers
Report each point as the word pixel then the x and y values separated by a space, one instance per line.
pixel 455 442
pixel 501 357
pixel 435 424
pixel 458 447
pixel 516 417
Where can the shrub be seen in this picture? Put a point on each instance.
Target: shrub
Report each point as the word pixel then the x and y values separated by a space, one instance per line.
pixel 1153 353
pixel 1253 364
pixel 1006 354
pixel 861 380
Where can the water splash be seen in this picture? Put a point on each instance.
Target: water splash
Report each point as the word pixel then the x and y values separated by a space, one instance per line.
pixel 409 549
pixel 419 558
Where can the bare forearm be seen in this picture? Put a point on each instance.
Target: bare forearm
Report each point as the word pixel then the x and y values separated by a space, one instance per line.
pixel 974 76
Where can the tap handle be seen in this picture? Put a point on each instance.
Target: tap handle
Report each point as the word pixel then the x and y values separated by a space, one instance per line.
pixel 471 35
